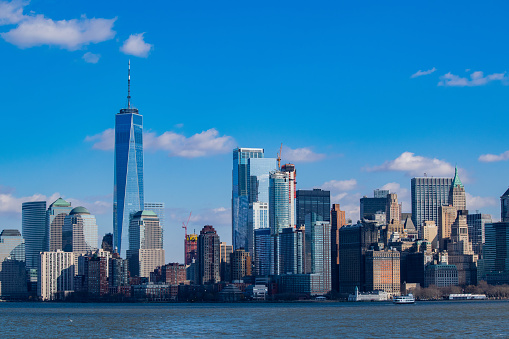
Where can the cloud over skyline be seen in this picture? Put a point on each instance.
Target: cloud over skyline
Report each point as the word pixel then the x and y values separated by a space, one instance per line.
pixel 304 154
pixel 494 157
pixel 136 45
pixel 476 79
pixel 421 73
pixel 91 58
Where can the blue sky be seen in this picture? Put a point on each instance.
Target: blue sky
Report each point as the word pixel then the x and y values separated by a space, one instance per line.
pixel 362 95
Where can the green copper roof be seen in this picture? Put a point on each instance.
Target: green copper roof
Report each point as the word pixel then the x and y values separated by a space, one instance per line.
pixel 145 213
pixel 60 203
pixel 456 182
pixel 79 210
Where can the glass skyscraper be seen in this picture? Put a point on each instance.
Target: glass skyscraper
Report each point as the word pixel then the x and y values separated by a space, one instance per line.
pixel 128 195
pixel 56 214
pixel 315 202
pixel 79 233
pixel 428 195
pixel 35 231
pixel 240 194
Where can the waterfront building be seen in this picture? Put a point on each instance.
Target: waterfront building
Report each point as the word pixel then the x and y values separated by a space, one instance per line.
pixel 240 262
pixel 13 279
pixel 428 195
pixel 12 245
pixel 225 251
pixel 496 253
pixel 447 216
pixel 56 274
pixel 291 249
pixel 118 274
pixel 460 251
pixel 208 256
pixel 318 259
pixel 56 214
pixel 300 284
pixel 262 251
pixel 79 233
pixel 240 194
pixel 191 248
pixel 145 244
pixel 258 218
pixel 173 273
pixel 97 275
pixel 476 230
pixel 279 213
pixel 292 175
pixel 383 271
pixel 35 231
pixel 441 275
pixel 128 190
pixel 504 202
pixel 338 220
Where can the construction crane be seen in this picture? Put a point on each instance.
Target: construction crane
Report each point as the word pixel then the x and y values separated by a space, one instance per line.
pixel 184 226
pixel 279 157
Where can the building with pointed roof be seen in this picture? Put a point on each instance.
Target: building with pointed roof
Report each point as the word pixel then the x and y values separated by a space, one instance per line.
pixel 457 196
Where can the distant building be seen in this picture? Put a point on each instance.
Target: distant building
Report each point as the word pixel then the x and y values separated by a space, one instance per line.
pixel 318 253
pixel 98 270
pixel 338 220
pixel 279 214
pixel 157 208
pixel 56 214
pixel 476 230
pixel 145 244
pixel 460 251
pixel 447 216
pixel 496 253
pixel 262 252
pixel 504 202
pixel 300 284
pixel 13 279
pixel 383 271
pixel 79 233
pixel 56 274
pixel 428 195
pixel 118 275
pixel 225 251
pixel 314 202
pixel 392 209
pixel 291 242
pixel 240 262
pixel 208 256
pixel 370 206
pixel 174 273
pixel 35 231
pixel 457 197
pixel 292 176
pixel 430 233
pixel 12 245
pixel 107 243
pixel 191 248
pixel 440 275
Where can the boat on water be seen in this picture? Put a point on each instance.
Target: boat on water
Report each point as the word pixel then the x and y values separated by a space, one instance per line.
pixel 404 299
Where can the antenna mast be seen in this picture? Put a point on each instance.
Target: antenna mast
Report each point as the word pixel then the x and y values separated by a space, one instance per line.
pixel 129 85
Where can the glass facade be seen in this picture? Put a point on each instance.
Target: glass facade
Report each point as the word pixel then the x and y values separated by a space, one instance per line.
pixel 315 202
pixel 79 233
pixel 476 230
pixel 128 195
pixel 35 231
pixel 240 194
pixel 56 214
pixel 12 245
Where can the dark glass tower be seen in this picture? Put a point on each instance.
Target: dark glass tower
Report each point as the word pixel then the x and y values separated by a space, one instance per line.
pixel 128 195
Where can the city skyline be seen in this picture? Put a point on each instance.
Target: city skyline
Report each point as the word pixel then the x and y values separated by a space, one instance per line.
pixel 378 110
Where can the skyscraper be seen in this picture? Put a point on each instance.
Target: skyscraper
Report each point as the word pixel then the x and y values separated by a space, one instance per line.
pixel 457 196
pixel 128 197
pixel 504 202
pixel 476 230
pixel 496 253
pixel 279 213
pixel 146 251
pixel 262 251
pixel 35 231
pixel 291 249
pixel 338 220
pixel 56 214
pixel 428 195
pixel 292 175
pixel 208 256
pixel 56 274
pixel 314 202
pixel 157 208
pixel 12 245
pixel 79 233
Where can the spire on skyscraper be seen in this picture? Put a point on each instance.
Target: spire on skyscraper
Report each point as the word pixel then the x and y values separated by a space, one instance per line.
pixel 456 181
pixel 129 84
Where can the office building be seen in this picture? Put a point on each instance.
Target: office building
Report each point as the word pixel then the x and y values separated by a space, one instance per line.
pixel 291 249
pixel 504 202
pixel 128 197
pixel 35 231
pixel 441 275
pixel 371 206
pixel 318 259
pixel 428 195
pixel 315 202
pixel 447 216
pixel 393 209
pixel 460 251
pixel 279 213
pixel 79 233
pixel 13 279
pixel 97 275
pixel 190 248
pixel 240 194
pixel 240 263
pixel 430 233
pixel 225 251
pixel 56 214
pixel 262 251
pixel 496 253
pixel 107 242
pixel 292 187
pixel 258 170
pixel 208 256
pixel 457 196
pixel 378 193
pixel 12 245
pixel 157 208
pixel 56 275
pixel 118 274
pixel 476 230
pixel 258 217
pixel 338 220
pixel 146 251
pixel 383 271
pixel 173 273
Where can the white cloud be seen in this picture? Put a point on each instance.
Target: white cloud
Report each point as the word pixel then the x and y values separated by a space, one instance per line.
pixel 11 204
pixel 11 12
pixel 476 203
pixel 403 194
pixel 206 143
pixel 494 157
pixel 340 185
pixel 304 154
pixel 91 58
pixel 136 45
pixel 414 165
pixel 476 79
pixel 421 73
pixel 95 206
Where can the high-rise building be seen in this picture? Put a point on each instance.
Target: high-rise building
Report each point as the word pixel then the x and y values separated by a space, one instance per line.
pixel 157 208
pixel 191 248
pixel 225 269
pixel 291 249
pixel 128 197
pixel 79 232
pixel 240 194
pixel 460 251
pixel 56 274
pixel 430 233
pixel 378 193
pixel 208 256
pixel 107 243
pixel 173 273
pixel 146 251
pixel 13 279
pixel 476 230
pixel 35 231
pixel 496 253
pixel 338 220
pixel 369 207
pixel 457 196
pixel 504 202
pixel 383 271
pixel 262 251
pixel 12 245
pixel 279 214
pixel 292 175
pixel 318 235
pixel 315 202
pixel 428 195
pixel 56 214
pixel 118 272
pixel 392 210
pixel 447 217
pixel 240 262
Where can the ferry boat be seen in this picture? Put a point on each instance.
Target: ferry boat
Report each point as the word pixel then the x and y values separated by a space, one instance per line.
pixel 404 299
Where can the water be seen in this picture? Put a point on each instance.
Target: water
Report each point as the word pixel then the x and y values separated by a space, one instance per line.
pixel 306 319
